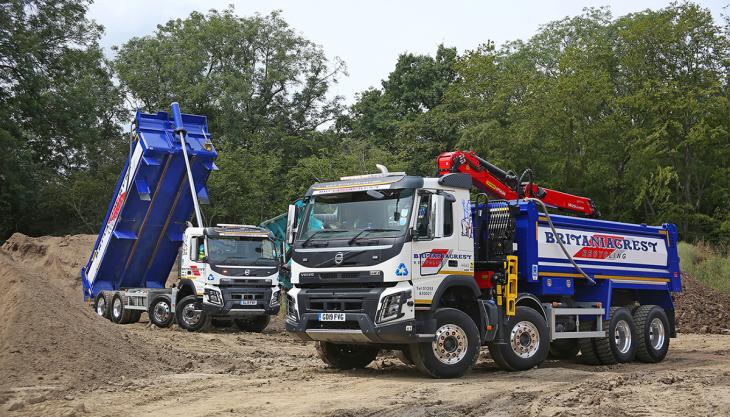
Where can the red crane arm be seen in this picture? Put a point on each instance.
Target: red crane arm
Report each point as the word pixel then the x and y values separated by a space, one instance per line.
pixel 504 185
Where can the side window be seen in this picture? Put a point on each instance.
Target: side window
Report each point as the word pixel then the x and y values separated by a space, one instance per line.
pixel 424 229
pixel 448 218
pixel 195 251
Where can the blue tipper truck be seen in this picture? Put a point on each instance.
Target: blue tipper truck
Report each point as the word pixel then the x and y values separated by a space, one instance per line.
pixel 229 272
pixel 435 268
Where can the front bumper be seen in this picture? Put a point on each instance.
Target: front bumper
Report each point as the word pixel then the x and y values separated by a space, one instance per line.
pixel 243 301
pixel 359 325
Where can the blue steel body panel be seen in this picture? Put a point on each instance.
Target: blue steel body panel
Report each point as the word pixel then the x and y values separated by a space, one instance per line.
pixel 153 215
pixel 549 276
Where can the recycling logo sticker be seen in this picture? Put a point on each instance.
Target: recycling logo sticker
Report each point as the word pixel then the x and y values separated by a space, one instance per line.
pixel 401 271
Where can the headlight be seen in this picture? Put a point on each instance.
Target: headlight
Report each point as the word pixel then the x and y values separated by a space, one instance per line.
pixel 274 298
pixel 213 296
pixel 392 305
pixel 291 311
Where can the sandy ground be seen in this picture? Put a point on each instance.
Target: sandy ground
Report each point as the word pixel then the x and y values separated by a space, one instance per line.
pixel 61 359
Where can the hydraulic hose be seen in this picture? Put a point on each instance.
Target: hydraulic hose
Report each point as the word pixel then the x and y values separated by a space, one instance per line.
pixel 565 251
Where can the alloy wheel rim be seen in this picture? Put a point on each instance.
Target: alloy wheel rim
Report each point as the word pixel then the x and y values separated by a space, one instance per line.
pixel 450 344
pixel 525 339
pixel 190 315
pixel 622 336
pixel 101 306
pixel 656 333
pixel 117 307
pixel 162 311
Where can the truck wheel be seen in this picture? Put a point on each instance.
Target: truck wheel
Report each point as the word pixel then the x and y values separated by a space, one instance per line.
pixel 160 312
pixel 528 342
pixel 190 315
pixel 134 316
pixel 102 303
pixel 564 348
pixel 119 314
pixel 587 346
pixel 346 356
pixel 453 349
pixel 255 324
pixel 405 356
pixel 619 345
pixel 652 330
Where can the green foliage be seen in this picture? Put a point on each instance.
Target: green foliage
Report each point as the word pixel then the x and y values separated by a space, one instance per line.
pixel 707 265
pixel 59 114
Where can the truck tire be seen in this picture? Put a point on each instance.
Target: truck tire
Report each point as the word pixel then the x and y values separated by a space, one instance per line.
pixel 102 304
pixel 588 352
pixel 346 356
pixel 564 348
pixel 619 345
pixel 404 356
pixel 119 314
pixel 528 341
pixel 160 312
pixel 190 315
pixel 255 324
pixel 134 316
pixel 454 348
pixel 652 330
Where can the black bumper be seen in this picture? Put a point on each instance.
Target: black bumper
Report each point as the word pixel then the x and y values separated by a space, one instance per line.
pixel 235 302
pixel 360 309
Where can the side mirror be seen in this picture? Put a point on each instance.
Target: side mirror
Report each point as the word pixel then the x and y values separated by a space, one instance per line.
pixel 291 223
pixel 438 202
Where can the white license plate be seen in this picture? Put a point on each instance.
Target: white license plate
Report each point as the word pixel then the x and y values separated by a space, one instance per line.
pixel 331 317
pixel 248 302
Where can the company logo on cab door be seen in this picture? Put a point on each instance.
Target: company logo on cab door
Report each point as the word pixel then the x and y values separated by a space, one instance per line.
pixel 599 246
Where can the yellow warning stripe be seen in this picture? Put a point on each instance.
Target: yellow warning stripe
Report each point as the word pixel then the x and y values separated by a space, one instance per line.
pixel 369 184
pixel 469 273
pixel 614 277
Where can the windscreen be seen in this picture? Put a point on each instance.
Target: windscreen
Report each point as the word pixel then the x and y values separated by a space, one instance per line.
pixel 241 251
pixel 381 213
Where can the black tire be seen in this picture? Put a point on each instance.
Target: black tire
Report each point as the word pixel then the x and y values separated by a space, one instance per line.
pixel 119 314
pixel 221 323
pixel 190 315
pixel 452 352
pixel 134 316
pixel 564 348
pixel 588 352
pixel 652 329
pixel 346 356
pixel 527 332
pixel 255 324
pixel 608 350
pixel 102 304
pixel 160 312
pixel 620 326
pixel 404 356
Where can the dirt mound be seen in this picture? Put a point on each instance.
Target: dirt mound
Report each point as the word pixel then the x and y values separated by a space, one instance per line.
pixel 48 334
pixel 701 309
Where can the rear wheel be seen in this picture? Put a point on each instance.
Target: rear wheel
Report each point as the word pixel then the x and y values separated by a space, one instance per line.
pixel 255 324
pixel 119 314
pixel 453 349
pixel 102 304
pixel 652 329
pixel 190 315
pixel 528 342
pixel 160 312
pixel 346 356
pixel 619 344
pixel 564 348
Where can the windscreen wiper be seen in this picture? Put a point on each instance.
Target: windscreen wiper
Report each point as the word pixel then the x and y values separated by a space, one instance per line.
pixel 321 231
pixel 354 238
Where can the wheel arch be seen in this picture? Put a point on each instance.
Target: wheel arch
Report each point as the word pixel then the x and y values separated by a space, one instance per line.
pixel 186 287
pixel 529 300
pixel 453 291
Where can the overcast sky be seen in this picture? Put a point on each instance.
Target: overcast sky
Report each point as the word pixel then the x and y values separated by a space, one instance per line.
pixel 369 35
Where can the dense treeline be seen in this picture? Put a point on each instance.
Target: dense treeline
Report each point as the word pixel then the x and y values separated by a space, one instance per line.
pixel 631 111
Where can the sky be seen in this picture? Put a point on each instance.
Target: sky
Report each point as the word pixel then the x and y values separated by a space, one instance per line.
pixel 369 35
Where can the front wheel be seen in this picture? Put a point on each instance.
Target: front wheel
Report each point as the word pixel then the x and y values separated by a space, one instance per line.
pixel 527 344
pixel 190 315
pixel 346 356
pixel 255 324
pixel 454 347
